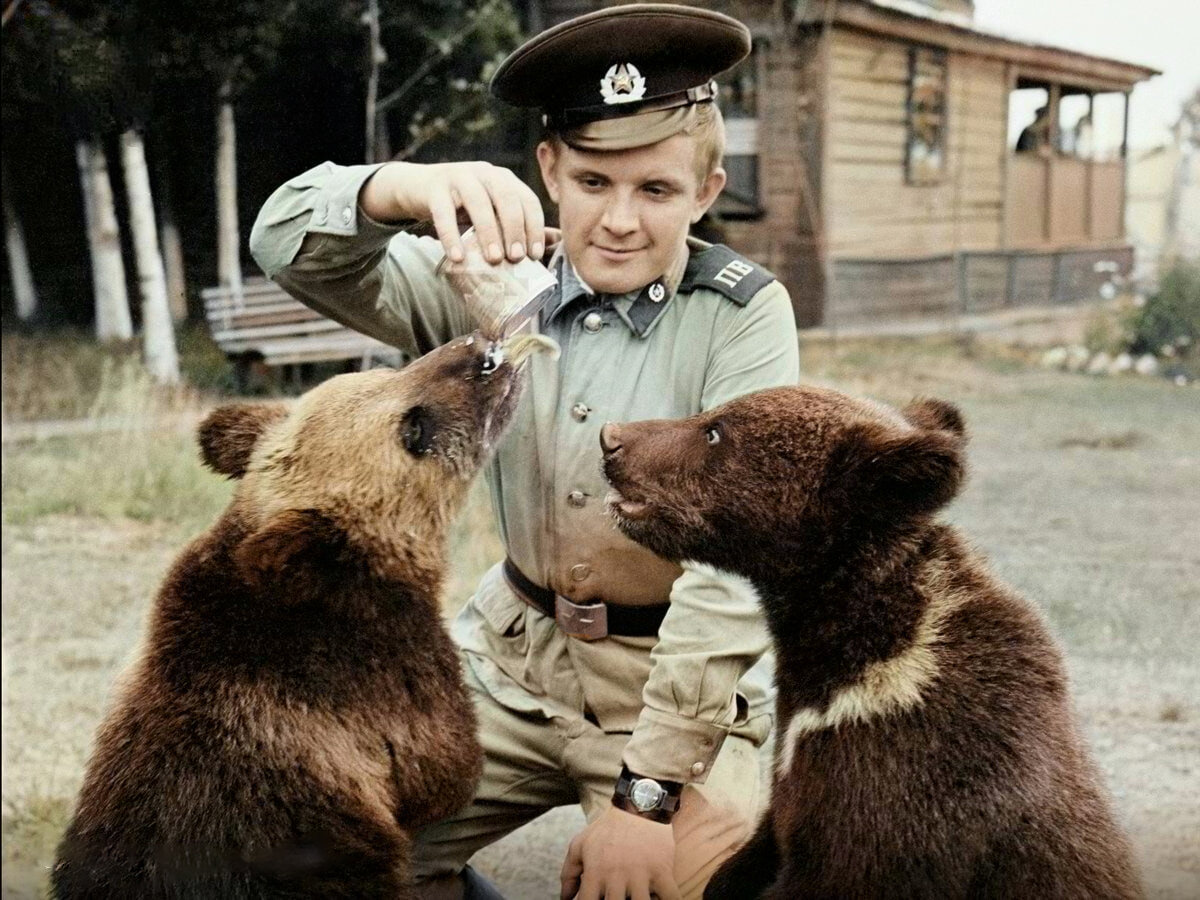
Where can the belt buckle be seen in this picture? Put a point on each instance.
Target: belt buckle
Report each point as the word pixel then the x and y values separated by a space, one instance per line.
pixel 584 621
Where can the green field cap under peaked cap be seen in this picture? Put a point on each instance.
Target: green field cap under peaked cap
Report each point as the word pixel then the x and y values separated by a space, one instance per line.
pixel 627 76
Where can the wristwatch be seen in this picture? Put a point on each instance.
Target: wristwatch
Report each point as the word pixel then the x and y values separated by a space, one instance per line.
pixel 647 797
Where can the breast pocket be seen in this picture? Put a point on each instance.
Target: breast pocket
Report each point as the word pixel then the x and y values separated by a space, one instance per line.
pixel 501 609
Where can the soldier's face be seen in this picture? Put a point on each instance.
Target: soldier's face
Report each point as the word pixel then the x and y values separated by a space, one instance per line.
pixel 625 214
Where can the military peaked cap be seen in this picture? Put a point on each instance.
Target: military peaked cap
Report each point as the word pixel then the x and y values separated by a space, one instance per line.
pixel 626 76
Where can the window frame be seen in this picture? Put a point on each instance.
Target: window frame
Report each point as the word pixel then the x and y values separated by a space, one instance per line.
pixel 734 206
pixel 941 57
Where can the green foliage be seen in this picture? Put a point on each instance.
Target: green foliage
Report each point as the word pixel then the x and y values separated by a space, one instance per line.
pixel 202 363
pixel 1171 316
pixel 1106 331
pixel 441 56
pixel 109 65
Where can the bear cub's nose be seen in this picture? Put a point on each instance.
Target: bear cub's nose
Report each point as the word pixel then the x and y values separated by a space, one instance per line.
pixel 610 438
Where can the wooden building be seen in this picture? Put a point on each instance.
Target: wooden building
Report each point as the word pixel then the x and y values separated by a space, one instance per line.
pixel 874 163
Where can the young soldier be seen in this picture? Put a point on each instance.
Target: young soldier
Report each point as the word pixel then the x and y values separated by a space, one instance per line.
pixel 602 674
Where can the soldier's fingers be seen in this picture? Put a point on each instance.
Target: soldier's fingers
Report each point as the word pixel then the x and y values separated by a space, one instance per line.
pixel 443 212
pixel 535 222
pixel 589 889
pixel 478 204
pixel 665 887
pixel 511 212
pixel 615 889
pixel 640 893
pixel 571 871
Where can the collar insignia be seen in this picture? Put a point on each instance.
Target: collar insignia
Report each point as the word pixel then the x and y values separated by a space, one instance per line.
pixel 622 83
pixel 657 292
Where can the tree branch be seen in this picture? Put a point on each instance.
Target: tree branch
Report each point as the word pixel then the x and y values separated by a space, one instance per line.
pixel 10 10
pixel 445 49
pixel 440 127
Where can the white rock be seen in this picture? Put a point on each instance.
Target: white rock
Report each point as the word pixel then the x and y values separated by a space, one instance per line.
pixel 1181 380
pixel 1167 350
pixel 1055 358
pixel 1122 364
pixel 1077 357
pixel 1146 364
pixel 1101 364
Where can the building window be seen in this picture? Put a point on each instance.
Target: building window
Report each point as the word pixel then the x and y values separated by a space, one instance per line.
pixel 739 101
pixel 1029 118
pixel 1066 120
pixel 925 153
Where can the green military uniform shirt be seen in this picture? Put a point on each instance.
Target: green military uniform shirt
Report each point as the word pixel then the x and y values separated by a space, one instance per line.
pixel 624 358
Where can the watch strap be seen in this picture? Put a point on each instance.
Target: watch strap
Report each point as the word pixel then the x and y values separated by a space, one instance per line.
pixel 664 811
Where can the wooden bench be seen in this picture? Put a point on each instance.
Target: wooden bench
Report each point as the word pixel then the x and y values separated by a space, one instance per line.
pixel 268 327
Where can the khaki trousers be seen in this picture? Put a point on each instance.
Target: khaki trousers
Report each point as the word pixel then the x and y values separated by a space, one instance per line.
pixel 534 763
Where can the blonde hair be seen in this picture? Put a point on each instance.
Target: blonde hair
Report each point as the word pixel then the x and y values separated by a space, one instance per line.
pixel 706 126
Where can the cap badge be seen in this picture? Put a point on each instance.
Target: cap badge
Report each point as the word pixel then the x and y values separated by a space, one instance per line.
pixel 622 83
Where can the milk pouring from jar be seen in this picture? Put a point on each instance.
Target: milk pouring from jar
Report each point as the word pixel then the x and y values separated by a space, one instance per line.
pixel 501 298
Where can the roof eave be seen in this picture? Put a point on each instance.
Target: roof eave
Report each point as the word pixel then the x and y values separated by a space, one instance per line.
pixel 1097 71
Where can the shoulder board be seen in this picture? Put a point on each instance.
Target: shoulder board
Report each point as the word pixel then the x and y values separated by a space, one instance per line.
pixel 725 271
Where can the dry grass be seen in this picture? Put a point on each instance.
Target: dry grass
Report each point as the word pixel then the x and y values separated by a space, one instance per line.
pixel 1093 527
pixel 141 464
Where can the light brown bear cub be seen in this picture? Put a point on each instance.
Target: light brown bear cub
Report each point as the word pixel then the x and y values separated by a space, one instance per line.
pixel 926 743
pixel 298 709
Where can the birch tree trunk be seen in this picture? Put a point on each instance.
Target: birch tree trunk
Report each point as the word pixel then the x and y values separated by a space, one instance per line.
pixel 229 258
pixel 375 58
pixel 113 319
pixel 158 336
pixel 172 248
pixel 24 291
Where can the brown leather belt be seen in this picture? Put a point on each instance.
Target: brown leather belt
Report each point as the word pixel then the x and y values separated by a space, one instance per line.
pixel 586 621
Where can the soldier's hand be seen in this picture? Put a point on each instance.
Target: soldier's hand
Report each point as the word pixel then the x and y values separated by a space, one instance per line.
pixel 505 212
pixel 621 855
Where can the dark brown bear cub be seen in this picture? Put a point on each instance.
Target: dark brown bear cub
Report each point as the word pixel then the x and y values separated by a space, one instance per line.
pixel 926 744
pixel 297 708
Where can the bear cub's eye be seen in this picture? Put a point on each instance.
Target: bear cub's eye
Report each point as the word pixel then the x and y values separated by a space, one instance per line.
pixel 416 431
pixel 713 436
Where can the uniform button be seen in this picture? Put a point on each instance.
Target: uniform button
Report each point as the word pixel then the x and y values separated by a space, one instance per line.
pixel 580 572
pixel 593 322
pixel 579 412
pixel 347 215
pixel 576 499
pixel 698 768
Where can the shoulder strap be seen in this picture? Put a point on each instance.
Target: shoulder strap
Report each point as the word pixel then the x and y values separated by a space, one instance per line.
pixel 725 271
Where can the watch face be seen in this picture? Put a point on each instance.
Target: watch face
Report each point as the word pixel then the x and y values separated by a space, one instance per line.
pixel 646 794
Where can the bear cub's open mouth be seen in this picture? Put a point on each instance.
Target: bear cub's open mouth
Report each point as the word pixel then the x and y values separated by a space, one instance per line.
pixel 622 507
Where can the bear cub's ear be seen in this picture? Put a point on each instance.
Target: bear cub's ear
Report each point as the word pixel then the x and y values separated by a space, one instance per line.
pixel 932 414
pixel 889 474
pixel 228 434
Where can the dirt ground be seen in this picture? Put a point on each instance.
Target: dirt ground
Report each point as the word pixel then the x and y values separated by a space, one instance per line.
pixel 1084 493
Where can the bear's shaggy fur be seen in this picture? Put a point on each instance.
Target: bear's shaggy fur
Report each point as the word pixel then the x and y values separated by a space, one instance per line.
pixel 297 708
pixel 926 743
